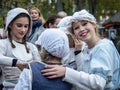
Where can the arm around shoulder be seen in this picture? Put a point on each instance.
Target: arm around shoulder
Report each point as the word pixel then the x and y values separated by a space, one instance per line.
pixel 84 81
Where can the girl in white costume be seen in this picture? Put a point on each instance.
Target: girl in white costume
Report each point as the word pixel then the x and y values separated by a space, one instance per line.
pixel 99 69
pixel 15 52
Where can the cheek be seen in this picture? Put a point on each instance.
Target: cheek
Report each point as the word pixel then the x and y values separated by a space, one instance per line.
pixel 37 15
pixel 75 32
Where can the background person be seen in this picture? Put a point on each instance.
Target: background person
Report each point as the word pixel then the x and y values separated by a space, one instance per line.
pixel 52 21
pixel 62 14
pixel 36 24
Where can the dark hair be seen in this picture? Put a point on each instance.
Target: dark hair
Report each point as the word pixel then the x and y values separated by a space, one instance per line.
pixel 24 38
pixel 71 41
pixel 51 19
pixel 4 21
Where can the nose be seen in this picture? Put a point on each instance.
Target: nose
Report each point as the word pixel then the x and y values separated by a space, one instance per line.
pixel 81 28
pixel 23 28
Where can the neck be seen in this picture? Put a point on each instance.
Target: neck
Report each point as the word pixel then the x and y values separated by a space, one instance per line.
pixel 92 43
pixel 17 40
pixel 52 61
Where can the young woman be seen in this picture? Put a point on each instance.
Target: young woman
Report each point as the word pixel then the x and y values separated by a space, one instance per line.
pixel 99 69
pixel 55 46
pixel 15 52
pixel 36 24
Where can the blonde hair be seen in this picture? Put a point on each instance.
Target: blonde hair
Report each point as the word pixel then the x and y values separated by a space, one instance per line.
pixel 45 55
pixel 96 28
pixel 39 12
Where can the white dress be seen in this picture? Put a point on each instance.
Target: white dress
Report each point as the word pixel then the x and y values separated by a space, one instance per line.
pixel 7 54
pixel 98 70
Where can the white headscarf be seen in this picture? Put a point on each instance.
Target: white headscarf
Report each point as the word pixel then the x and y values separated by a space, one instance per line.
pixel 84 15
pixel 55 42
pixel 65 22
pixel 13 13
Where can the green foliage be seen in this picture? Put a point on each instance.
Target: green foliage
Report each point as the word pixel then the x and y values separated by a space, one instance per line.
pixel 1 22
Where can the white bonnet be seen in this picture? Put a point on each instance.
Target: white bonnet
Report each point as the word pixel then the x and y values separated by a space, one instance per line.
pixel 55 42
pixel 13 13
pixel 65 24
pixel 84 15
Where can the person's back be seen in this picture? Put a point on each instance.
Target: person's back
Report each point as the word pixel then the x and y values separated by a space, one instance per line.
pixel 41 82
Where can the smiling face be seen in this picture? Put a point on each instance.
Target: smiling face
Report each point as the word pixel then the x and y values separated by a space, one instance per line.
pixel 19 28
pixel 85 31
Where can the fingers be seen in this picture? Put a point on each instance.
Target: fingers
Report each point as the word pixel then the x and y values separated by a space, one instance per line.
pixel 78 44
pixel 53 76
pixel 53 71
pixel 77 41
pixel 51 66
pixel 48 73
pixel 48 70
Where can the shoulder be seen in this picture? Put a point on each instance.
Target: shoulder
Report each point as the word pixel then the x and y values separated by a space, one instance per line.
pixel 104 47
pixel 36 63
pixel 3 42
pixel 31 45
pixel 105 44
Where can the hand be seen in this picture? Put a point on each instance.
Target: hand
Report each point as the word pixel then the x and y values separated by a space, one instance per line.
pixel 54 71
pixel 21 65
pixel 78 44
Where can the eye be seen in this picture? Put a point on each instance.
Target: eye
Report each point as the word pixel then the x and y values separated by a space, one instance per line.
pixel 26 26
pixel 84 23
pixel 31 13
pixel 19 25
pixel 75 28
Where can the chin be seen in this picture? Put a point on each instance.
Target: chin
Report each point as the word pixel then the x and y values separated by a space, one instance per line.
pixel 20 37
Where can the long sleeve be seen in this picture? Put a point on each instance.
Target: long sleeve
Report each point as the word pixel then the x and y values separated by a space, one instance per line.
pixel 4 48
pixel 99 69
pixel 84 81
pixel 24 82
pixel 7 54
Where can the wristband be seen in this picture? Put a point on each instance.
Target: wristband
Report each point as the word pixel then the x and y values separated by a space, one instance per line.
pixel 77 52
pixel 14 61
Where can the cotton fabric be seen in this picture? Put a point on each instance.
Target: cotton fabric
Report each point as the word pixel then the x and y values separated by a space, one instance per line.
pixel 83 15
pixel 57 44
